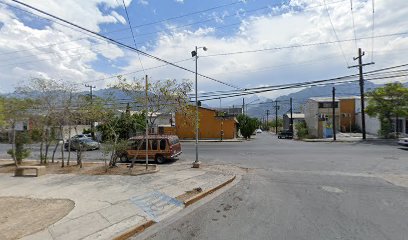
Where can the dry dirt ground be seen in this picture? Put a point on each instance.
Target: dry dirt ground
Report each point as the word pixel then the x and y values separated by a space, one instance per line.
pixel 24 216
pixel 87 168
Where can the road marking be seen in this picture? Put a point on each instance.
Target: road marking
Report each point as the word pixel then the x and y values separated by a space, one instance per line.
pixel 332 189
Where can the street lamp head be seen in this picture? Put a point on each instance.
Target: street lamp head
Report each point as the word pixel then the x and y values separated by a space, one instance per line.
pixel 205 49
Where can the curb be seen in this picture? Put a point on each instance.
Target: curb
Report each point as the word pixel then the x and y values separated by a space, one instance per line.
pixel 205 193
pixel 140 228
pixel 135 230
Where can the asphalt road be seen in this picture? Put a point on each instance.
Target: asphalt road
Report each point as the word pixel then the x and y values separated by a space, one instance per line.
pixel 298 190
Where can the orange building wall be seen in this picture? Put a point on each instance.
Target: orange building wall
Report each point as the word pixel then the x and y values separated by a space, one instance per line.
pixel 209 126
pixel 347 106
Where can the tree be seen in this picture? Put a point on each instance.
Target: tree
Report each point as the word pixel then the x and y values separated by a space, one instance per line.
pixel 301 130
pixel 247 125
pixel 390 101
pixel 164 96
pixel 16 111
pixel 52 97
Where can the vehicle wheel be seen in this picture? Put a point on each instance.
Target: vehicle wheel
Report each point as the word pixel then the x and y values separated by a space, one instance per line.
pixel 160 159
pixel 124 158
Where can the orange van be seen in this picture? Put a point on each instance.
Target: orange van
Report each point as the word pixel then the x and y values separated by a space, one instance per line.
pixel 160 148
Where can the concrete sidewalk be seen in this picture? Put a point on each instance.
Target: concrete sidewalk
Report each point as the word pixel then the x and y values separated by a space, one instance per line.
pixel 112 206
pixel 213 140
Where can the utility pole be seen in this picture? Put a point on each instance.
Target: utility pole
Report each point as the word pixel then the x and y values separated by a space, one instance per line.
pixel 243 106
pixel 147 124
pixel 360 70
pixel 291 116
pixel 334 112
pixel 267 117
pixel 91 97
pixel 276 116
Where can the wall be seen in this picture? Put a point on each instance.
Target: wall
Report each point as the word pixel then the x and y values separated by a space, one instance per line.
pixel 209 126
pixel 311 109
pixel 347 114
pixel 373 125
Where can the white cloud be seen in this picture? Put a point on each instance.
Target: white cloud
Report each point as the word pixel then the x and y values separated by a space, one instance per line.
pixel 292 28
pixel 179 1
pixel 73 60
pixel 119 17
pixel 28 52
pixel 143 2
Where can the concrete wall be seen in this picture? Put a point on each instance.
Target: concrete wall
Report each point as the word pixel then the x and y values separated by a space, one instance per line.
pixel 373 125
pixel 311 118
pixel 209 126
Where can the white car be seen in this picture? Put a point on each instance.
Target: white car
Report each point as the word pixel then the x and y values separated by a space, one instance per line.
pixel 403 142
pixel 258 131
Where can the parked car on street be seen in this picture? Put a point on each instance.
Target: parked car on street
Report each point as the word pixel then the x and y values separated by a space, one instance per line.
pixel 85 135
pixel 258 130
pixel 160 148
pixel 286 133
pixel 403 142
pixel 84 144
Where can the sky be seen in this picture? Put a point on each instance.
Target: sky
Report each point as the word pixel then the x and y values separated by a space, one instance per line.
pixel 33 46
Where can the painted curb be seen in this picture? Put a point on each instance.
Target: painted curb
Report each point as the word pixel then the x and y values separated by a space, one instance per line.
pixel 135 230
pixel 205 193
pixel 140 228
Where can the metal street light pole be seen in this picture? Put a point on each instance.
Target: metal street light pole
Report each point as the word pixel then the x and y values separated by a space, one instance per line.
pixel 196 163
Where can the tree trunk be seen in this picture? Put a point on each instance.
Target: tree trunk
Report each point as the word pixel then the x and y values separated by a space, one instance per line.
pixel 62 148
pixel 112 162
pixel 42 146
pixel 13 145
pixel 47 145
pixel 69 144
pixel 53 153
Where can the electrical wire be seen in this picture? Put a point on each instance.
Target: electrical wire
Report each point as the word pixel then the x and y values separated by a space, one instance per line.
pixel 354 26
pixel 372 33
pixel 133 35
pixel 100 36
pixel 335 33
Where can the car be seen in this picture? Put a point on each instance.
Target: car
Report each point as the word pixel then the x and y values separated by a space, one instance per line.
pixel 258 131
pixel 160 148
pixel 286 133
pixel 84 144
pixel 403 142
pixel 79 136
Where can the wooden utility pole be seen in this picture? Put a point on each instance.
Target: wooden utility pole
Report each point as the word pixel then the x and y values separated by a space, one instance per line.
pixel 291 116
pixel 334 112
pixel 267 117
pixel 147 124
pixel 360 70
pixel 243 106
pixel 91 97
pixel 276 116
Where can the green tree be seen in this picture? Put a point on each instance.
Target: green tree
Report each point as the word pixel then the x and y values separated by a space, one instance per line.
pixel 390 101
pixel 247 125
pixel 301 130
pixel 16 111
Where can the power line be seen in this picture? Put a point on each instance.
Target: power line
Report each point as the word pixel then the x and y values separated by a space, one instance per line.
pixel 335 33
pixel 133 35
pixel 145 34
pixel 146 24
pixel 373 73
pixel 122 44
pixel 302 45
pixel 354 26
pixel 372 33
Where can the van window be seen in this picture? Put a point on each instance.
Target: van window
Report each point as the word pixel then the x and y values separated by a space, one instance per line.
pixel 154 144
pixel 163 144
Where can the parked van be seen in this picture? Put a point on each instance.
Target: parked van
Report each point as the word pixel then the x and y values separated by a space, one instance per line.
pixel 160 148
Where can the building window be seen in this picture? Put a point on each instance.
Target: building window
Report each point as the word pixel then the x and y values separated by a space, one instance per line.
pixel 328 105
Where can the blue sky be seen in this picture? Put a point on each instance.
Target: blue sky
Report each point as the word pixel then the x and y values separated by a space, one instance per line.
pixel 33 47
